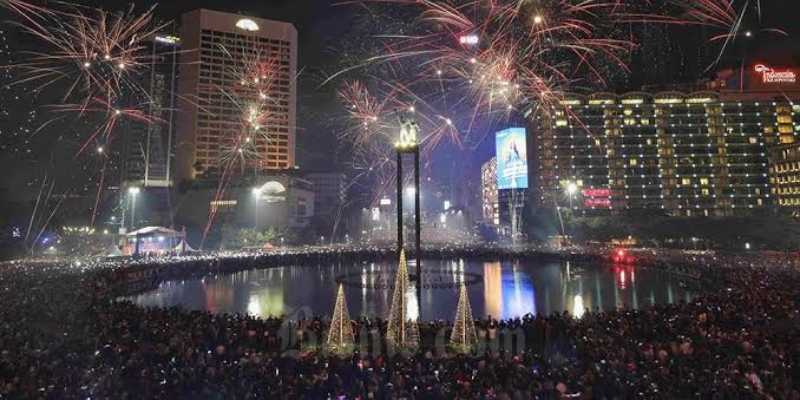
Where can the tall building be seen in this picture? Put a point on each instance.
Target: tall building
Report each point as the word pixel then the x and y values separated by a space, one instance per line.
pixel 223 90
pixel 329 192
pixel 489 193
pixel 699 153
pixel 148 147
pixel 785 178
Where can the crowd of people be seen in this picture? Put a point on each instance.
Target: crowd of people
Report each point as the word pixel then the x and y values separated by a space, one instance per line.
pixel 63 335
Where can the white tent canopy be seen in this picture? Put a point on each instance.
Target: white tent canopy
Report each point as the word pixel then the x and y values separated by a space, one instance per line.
pixel 155 230
pixel 183 247
pixel 113 251
pixel 110 251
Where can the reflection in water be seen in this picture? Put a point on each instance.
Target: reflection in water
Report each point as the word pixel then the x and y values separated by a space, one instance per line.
pixel 412 312
pixel 577 306
pixel 493 289
pixel 519 297
pixel 507 290
pixel 253 306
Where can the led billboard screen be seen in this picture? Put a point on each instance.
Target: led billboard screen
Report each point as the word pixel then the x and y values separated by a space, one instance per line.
pixel 512 159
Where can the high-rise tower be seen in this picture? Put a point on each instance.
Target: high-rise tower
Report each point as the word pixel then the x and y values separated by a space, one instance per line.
pixel 148 146
pixel 226 59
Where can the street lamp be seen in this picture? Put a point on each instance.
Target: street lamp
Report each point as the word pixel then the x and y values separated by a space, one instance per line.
pixel 257 196
pixel 572 188
pixel 134 192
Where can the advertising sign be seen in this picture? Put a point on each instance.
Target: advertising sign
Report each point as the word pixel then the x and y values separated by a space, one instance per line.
pixel 596 193
pixel 771 75
pixel 512 159
pixel 596 198
pixel 597 203
pixel 469 39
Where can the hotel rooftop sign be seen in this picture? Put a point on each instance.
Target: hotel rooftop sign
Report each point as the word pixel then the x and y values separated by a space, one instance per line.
pixel 770 75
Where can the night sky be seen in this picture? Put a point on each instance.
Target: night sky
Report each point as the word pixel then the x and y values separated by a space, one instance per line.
pixel 667 55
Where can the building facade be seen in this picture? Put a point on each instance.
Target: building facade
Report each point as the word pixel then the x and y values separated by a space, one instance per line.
pixel 785 178
pixel 238 94
pixel 274 200
pixel 149 147
pixel 704 153
pixel 330 191
pixel 489 193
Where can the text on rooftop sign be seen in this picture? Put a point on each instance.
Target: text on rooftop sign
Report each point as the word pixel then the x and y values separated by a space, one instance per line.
pixel 771 75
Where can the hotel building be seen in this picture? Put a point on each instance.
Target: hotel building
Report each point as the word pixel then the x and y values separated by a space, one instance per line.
pixel 218 49
pixel 687 153
pixel 785 179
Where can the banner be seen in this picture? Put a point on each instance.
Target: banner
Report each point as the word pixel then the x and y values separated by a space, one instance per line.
pixel 512 159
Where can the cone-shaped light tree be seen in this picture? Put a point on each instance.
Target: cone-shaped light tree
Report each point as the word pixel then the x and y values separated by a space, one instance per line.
pixel 340 334
pixel 464 336
pixel 402 331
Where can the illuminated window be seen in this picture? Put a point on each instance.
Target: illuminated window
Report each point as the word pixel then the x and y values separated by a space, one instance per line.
pixel 223 205
pixel 784 119
pixel 669 101
pixel 561 122
pixel 686 181
pixel 705 192
pixel 704 181
pixel 634 162
pixel 753 140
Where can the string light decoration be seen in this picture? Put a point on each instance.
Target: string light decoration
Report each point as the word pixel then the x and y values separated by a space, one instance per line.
pixel 463 336
pixel 402 332
pixel 340 334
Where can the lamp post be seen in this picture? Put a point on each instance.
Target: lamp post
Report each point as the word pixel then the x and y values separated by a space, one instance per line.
pixel 134 192
pixel 572 188
pixel 256 196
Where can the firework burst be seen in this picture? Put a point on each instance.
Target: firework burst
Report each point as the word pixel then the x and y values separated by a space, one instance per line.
pixel 90 52
pixel 253 118
pixel 462 66
pixel 96 60
pixel 467 65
